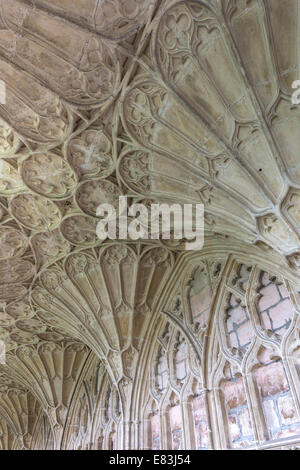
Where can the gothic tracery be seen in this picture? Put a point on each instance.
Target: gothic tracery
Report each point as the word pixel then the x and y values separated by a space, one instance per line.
pixel 143 345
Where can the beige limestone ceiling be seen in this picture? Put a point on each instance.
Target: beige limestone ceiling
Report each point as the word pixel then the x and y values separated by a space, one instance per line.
pixel 157 100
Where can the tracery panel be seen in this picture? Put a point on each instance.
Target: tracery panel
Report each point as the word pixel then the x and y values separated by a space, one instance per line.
pixel 176 427
pixel 245 397
pixel 201 423
pixel 155 432
pixel 279 409
pixel 236 406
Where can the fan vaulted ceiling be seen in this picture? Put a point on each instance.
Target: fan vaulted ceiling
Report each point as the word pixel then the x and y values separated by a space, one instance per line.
pixel 185 102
